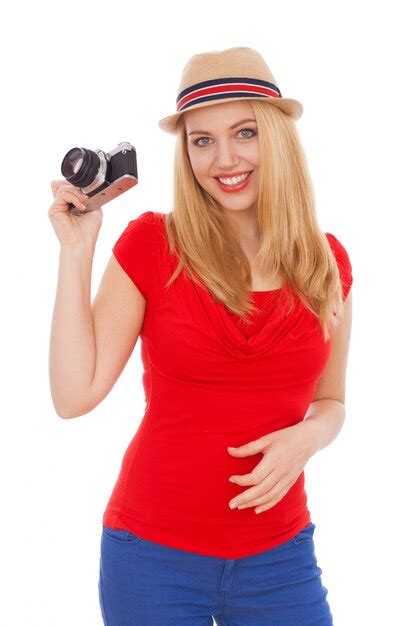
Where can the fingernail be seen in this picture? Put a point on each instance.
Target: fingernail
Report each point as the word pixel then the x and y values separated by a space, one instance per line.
pixel 233 505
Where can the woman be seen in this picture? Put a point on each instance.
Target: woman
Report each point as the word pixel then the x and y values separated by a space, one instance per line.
pixel 243 307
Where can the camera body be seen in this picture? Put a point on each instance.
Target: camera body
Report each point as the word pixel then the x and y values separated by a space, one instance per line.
pixel 100 175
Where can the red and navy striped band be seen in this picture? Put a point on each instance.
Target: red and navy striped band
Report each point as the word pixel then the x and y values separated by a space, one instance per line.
pixel 230 87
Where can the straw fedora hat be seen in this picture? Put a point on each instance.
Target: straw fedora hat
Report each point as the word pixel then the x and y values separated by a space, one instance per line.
pixel 238 73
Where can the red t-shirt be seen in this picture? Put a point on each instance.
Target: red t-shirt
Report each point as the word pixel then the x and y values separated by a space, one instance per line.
pixel 210 383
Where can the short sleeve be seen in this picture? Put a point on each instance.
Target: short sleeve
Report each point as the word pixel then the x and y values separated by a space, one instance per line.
pixel 136 251
pixel 343 263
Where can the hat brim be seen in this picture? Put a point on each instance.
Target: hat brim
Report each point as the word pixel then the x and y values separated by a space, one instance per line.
pixel 291 107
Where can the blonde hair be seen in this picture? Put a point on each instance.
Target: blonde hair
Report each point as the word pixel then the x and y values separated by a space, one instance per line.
pixel 291 241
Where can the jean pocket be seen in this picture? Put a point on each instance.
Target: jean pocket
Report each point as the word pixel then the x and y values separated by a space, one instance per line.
pixel 120 536
pixel 305 534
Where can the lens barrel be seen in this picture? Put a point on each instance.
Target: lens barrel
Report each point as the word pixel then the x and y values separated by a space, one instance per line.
pixel 80 166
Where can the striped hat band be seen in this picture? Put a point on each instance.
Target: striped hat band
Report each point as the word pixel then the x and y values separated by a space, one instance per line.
pixel 220 88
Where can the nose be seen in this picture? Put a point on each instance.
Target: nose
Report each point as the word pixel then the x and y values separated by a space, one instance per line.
pixel 226 156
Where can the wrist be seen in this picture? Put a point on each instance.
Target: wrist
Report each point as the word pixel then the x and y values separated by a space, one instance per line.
pixel 79 248
pixel 311 430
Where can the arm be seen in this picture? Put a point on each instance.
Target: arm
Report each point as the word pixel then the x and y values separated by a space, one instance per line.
pixel 326 414
pixel 90 344
pixel 72 342
pixel 286 451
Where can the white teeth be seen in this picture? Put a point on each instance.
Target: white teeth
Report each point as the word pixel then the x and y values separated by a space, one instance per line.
pixel 235 180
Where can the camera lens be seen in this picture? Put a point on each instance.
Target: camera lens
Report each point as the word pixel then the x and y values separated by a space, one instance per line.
pixel 80 166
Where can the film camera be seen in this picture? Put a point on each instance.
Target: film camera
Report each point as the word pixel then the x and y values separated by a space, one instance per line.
pixel 100 175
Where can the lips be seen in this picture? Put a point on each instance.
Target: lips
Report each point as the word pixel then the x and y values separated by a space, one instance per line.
pixel 228 175
pixel 234 188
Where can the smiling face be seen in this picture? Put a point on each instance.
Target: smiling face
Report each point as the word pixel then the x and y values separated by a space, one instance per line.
pixel 222 140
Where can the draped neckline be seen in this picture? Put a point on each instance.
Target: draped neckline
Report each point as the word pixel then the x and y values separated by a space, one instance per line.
pixel 274 329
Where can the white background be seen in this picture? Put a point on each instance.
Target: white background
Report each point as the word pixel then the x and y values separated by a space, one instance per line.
pixel 97 73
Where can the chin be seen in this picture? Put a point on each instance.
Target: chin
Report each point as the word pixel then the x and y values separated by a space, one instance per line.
pixel 238 209
pixel 235 203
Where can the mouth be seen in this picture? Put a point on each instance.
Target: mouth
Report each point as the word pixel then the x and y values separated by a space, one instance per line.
pixel 234 183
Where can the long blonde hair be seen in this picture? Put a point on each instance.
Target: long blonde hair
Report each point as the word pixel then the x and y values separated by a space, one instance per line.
pixel 291 241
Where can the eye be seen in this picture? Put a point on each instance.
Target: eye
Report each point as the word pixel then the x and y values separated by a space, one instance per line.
pixel 196 141
pixel 250 130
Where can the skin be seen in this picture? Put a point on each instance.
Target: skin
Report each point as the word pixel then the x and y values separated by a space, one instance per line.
pixel 286 451
pixel 226 150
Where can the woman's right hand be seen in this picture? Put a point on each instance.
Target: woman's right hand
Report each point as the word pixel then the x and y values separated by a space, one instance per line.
pixel 71 229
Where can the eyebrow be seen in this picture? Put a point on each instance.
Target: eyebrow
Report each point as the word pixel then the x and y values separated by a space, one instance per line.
pixel 195 132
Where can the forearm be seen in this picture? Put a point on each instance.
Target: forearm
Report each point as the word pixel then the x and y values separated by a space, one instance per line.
pixel 72 341
pixel 324 420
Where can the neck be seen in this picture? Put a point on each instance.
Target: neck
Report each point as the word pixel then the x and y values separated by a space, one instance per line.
pixel 246 228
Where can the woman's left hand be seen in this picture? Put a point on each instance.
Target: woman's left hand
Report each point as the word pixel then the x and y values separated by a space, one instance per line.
pixel 286 452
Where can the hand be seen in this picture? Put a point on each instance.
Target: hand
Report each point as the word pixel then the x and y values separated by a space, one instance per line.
pixel 286 452
pixel 70 229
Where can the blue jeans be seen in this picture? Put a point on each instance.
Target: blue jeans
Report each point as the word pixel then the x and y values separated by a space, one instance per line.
pixel 143 583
